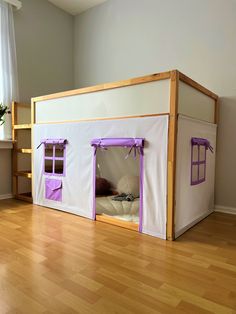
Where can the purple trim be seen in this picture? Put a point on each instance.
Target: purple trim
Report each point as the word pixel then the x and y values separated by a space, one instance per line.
pixel 136 143
pixel 54 142
pixel 199 142
pixel 59 141
pixel 124 142
pixel 202 141
pixel 141 171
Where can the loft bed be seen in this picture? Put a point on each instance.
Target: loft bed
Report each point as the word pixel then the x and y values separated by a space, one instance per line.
pixel 178 187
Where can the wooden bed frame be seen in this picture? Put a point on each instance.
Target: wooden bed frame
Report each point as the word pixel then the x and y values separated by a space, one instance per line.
pixel 175 77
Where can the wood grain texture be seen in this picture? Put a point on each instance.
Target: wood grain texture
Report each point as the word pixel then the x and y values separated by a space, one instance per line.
pixel 184 78
pixel 14 151
pixel 24 150
pixel 26 174
pixel 216 113
pixel 27 197
pixel 172 144
pixel 22 126
pixel 32 144
pixel 118 222
pixel 16 128
pixel 55 262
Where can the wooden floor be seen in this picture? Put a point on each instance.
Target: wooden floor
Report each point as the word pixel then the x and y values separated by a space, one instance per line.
pixel 53 262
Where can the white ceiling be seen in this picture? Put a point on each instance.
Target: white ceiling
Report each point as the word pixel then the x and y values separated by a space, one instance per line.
pixel 75 7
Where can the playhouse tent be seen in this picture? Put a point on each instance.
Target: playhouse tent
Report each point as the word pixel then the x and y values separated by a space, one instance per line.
pixel 167 119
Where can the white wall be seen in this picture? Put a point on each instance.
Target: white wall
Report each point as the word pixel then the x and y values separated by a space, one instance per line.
pixel 44 43
pixel 126 38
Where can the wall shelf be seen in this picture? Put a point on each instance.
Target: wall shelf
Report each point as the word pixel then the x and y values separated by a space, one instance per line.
pixel 22 126
pixel 26 174
pixel 24 150
pixel 17 126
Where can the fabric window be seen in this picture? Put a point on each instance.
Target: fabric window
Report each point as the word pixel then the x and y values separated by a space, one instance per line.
pixel 198 159
pixel 54 156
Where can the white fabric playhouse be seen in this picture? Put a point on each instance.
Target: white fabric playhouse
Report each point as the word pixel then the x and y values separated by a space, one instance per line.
pixel 138 153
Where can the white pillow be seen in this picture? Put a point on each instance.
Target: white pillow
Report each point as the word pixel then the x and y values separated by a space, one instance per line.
pixel 129 184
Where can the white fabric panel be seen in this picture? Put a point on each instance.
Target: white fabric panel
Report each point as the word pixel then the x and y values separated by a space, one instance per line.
pixel 77 184
pixel 193 202
pixel 195 104
pixel 148 98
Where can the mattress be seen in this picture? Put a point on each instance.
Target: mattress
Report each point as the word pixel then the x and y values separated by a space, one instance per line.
pixel 124 210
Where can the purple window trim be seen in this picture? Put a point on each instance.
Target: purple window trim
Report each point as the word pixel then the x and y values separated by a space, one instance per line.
pixel 54 142
pixel 60 141
pixel 141 170
pixel 120 142
pixel 199 142
pixel 94 182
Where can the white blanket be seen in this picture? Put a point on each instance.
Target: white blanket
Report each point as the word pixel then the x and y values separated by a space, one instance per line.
pixel 105 205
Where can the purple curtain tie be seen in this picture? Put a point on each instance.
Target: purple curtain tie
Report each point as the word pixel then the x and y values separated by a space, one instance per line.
pixel 96 146
pixel 210 148
pixel 61 142
pixel 136 149
pixel 135 144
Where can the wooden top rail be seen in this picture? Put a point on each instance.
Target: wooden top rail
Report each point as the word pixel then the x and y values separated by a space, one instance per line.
pixel 129 82
pixel 101 87
pixel 194 84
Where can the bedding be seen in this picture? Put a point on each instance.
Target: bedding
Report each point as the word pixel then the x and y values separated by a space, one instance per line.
pixel 130 218
pixel 124 210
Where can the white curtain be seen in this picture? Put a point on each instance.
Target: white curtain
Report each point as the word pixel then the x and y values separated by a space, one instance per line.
pixel 8 65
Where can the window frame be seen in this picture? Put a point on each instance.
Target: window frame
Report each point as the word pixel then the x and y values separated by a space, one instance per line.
pixel 199 142
pixel 53 157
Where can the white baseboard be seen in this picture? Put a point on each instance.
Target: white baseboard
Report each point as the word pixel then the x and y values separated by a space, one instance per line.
pixel 225 209
pixel 5 196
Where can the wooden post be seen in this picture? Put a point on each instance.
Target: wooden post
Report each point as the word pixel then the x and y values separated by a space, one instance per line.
pixel 14 151
pixel 216 113
pixel 32 144
pixel 172 144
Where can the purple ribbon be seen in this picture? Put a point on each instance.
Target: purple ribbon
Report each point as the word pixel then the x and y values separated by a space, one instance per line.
pixel 136 144
pixel 136 149
pixel 61 142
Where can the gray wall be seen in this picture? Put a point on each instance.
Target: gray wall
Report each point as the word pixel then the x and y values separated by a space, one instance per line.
pixel 44 43
pixel 126 38
pixel 5 173
pixel 45 48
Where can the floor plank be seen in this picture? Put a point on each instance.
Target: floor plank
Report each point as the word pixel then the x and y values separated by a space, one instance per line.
pixel 55 262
